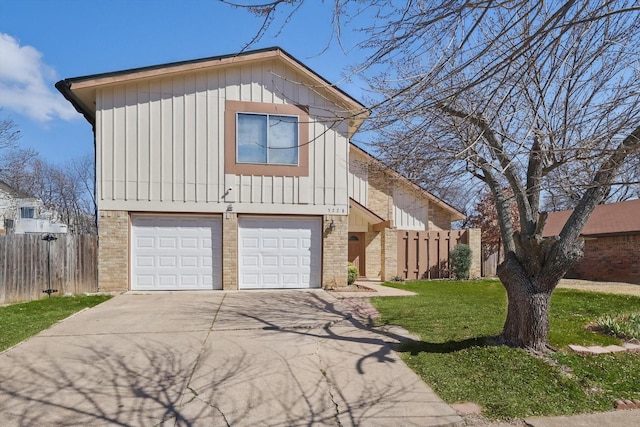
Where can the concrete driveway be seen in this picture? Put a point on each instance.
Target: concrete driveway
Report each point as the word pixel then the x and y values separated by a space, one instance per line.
pixel 214 359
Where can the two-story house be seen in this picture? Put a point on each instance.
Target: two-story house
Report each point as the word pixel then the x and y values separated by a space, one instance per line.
pixel 237 172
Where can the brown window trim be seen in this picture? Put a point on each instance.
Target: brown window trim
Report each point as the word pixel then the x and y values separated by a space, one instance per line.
pixel 231 166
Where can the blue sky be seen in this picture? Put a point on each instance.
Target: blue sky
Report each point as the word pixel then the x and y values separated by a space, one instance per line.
pixel 43 41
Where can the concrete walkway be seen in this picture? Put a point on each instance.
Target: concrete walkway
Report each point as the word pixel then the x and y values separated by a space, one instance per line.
pixel 214 358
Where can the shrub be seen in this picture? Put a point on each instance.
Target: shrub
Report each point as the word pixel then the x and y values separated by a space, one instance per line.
pixel 460 261
pixel 352 273
pixel 625 326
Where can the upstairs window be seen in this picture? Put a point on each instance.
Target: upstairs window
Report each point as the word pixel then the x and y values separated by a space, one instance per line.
pixel 267 139
pixel 27 213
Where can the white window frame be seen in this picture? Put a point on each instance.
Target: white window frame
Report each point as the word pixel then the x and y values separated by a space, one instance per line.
pixel 268 116
pixel 29 209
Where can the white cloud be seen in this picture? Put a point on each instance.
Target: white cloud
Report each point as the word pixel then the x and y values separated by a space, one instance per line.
pixel 26 83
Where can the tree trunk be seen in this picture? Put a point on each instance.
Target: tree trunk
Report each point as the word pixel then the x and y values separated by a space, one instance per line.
pixel 528 296
pixel 527 323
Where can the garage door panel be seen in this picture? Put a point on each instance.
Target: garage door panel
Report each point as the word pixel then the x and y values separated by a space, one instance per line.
pixel 250 261
pixel 145 280
pixel 188 280
pixel 269 243
pixel 290 261
pixel 145 242
pixel 270 279
pixel 189 243
pixel 144 261
pixel 279 252
pixel 291 243
pixel 173 253
pixel 167 243
pixel 270 260
pixel 188 261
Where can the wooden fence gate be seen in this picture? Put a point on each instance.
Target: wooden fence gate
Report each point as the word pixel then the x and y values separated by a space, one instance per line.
pixel 23 266
pixel 425 254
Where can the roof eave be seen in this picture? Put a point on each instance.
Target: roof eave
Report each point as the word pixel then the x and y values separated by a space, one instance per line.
pixel 64 87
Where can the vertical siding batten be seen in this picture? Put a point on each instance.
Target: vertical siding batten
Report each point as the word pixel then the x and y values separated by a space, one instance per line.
pixel 165 144
pixel 201 121
pixel 178 139
pixel 120 138
pixel 188 135
pixel 143 143
pixel 155 140
pixel 255 82
pixel 213 96
pixel 245 82
pixel 222 96
pixel 131 142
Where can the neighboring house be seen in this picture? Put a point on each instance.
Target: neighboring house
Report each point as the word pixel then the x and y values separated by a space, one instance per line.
pixel 383 203
pixel 611 242
pixel 21 213
pixel 236 172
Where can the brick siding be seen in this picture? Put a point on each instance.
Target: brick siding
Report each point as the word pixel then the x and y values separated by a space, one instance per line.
pixel 474 240
pixel 373 249
pixel 440 218
pixel 380 192
pixel 230 251
pixel 613 259
pixel 335 251
pixel 113 251
pixel 389 254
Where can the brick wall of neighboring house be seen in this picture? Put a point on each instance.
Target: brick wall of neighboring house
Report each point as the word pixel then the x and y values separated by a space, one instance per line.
pixel 335 251
pixel 379 200
pixel 440 218
pixel 389 253
pixel 474 240
pixel 230 251
pixel 113 253
pixel 373 259
pixel 612 259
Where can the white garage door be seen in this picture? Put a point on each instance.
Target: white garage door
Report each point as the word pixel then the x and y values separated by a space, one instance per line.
pixel 282 252
pixel 175 253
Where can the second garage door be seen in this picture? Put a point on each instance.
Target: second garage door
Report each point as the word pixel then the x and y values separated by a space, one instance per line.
pixel 279 252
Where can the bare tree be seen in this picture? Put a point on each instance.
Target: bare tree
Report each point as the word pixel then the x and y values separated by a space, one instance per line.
pixel 9 133
pixel 510 93
pixel 564 187
pixel 66 190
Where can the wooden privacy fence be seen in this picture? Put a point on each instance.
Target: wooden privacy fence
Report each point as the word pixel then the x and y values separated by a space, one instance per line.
pixel 425 254
pixel 23 266
pixel 490 260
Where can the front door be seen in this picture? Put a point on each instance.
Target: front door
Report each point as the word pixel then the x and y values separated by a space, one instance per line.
pixel 356 252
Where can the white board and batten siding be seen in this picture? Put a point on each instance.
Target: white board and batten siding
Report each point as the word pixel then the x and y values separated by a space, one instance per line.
pixel 358 180
pixel 409 211
pixel 160 144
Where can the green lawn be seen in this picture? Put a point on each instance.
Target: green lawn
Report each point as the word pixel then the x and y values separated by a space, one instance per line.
pixel 454 318
pixel 20 321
